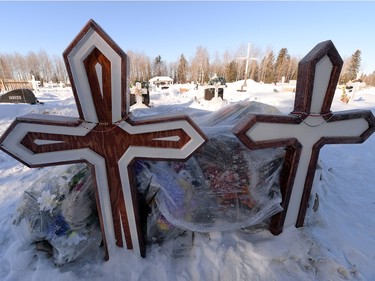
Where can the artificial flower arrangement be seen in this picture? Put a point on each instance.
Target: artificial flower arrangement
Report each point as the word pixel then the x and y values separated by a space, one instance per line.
pixel 60 212
pixel 224 186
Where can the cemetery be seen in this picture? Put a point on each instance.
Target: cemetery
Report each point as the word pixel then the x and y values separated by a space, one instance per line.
pixel 122 171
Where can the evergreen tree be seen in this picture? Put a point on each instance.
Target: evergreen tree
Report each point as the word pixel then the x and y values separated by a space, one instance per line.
pixel 231 71
pixel 254 74
pixel 267 73
pixel 354 65
pixel 182 70
pixel 281 64
pixel 159 68
pixel 351 67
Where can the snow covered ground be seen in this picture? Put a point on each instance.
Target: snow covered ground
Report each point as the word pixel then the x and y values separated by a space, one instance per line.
pixel 337 242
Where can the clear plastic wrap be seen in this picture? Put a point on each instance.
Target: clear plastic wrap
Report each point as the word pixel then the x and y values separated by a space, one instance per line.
pixel 61 211
pixel 223 186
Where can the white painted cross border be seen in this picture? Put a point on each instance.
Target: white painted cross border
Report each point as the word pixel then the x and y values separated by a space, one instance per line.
pixel 306 130
pixel 105 135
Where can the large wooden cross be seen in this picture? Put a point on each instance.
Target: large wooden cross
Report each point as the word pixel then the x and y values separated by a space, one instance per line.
pixel 306 130
pixel 248 58
pixel 105 135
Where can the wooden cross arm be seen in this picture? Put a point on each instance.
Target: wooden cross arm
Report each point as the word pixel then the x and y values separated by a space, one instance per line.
pixel 246 124
pixel 11 140
pixel 311 69
pixel 97 69
pixel 49 119
pixel 144 120
pixel 367 115
pixel 41 119
pixel 363 118
pixel 191 136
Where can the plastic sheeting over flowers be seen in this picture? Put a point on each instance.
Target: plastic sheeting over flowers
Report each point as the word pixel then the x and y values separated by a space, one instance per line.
pixel 223 186
pixel 59 214
pixel 214 194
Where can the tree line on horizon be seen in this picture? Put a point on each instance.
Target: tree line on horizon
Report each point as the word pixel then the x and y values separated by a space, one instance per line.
pixel 267 68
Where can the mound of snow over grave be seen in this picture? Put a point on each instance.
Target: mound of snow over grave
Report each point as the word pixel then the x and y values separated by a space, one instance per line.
pixel 222 186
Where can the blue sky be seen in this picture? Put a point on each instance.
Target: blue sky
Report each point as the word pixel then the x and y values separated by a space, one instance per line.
pixel 172 28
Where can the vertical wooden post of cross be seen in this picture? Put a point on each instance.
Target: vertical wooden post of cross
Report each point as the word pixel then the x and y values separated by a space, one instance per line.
pixel 105 135
pixel 217 90
pixel 247 59
pixel 306 130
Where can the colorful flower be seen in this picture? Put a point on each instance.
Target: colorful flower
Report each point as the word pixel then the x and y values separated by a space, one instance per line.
pixel 47 201
pixel 163 224
pixel 58 227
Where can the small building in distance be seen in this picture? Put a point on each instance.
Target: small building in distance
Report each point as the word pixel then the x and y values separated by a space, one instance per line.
pixel 162 82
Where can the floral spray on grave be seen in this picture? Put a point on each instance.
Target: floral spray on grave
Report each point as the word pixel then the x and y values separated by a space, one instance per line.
pixel 59 214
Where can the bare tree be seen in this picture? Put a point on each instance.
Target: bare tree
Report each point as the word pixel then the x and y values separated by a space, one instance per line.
pixel 45 66
pixel 59 69
pixel 200 65
pixel 140 66
pixel 200 68
pixel 6 71
pixel 241 52
pixel 32 66
pixel 172 71
pixel 217 66
pixel 292 70
pixel 369 79
pixel 144 67
pixel 18 69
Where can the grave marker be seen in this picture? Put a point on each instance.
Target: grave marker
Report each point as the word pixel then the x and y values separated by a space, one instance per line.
pixel 248 59
pixel 105 135
pixel 215 88
pixel 214 91
pixel 138 93
pixel 35 84
pixel 306 130
pixel 19 96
